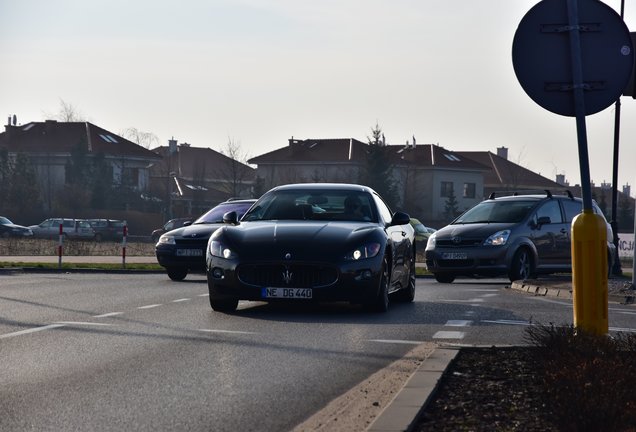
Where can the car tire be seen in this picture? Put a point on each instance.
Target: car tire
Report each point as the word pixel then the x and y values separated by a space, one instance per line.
pixel 444 277
pixel 381 301
pixel 98 237
pixel 224 305
pixel 521 267
pixel 407 294
pixel 176 273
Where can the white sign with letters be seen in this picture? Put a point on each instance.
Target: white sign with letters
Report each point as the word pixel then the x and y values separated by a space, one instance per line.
pixel 625 245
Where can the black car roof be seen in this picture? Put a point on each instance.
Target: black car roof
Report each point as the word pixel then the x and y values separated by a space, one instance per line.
pixel 324 186
pixel 531 197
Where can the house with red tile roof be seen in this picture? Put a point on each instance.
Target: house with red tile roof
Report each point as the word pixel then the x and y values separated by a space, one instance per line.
pixel 49 146
pixel 194 179
pixel 425 174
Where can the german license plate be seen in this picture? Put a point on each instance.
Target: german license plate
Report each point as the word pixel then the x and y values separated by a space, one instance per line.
pixel 287 293
pixel 189 252
pixel 454 255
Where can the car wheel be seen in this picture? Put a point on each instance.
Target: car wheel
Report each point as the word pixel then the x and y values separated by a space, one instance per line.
pixel 381 301
pixel 98 237
pixel 220 304
pixel 444 277
pixel 521 265
pixel 176 273
pixel 407 294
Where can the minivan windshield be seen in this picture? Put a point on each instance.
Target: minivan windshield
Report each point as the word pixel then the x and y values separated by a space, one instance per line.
pixel 496 212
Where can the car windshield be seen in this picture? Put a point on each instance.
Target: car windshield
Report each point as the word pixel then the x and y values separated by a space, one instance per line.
pixel 496 212
pixel 5 221
pixel 215 215
pixel 302 204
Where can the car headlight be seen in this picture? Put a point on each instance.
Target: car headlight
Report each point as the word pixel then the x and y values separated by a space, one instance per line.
pixel 498 239
pixel 368 250
pixel 166 239
pixel 430 245
pixel 218 249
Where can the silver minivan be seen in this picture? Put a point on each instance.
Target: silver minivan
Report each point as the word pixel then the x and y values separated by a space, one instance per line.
pixel 517 236
pixel 71 228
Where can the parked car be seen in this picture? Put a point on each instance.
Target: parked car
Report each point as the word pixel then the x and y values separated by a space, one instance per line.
pixel 313 242
pixel 518 236
pixel 71 228
pixel 169 226
pixel 107 229
pixel 9 229
pixel 422 233
pixel 182 250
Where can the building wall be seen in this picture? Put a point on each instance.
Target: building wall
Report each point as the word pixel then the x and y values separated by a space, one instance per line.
pixel 458 179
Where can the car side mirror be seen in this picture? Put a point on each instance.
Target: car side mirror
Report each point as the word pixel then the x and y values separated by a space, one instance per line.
pixel 400 218
pixel 543 220
pixel 230 218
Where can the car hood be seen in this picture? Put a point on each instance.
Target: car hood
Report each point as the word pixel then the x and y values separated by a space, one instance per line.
pixel 196 231
pixel 477 230
pixel 312 241
pixel 14 226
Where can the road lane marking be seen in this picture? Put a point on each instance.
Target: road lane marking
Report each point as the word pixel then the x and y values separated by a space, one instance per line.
pixel 149 306
pixel 31 330
pixel 508 322
pixel 397 341
pixel 448 335
pixel 458 323
pixel 77 323
pixel 204 295
pixel 180 300
pixel 227 331
pixel 109 314
pixel 489 295
pixel 623 329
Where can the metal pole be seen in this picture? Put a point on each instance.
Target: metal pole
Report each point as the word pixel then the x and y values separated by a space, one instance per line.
pixel 616 269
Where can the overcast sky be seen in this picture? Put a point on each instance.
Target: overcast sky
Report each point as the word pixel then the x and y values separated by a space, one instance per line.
pixel 258 72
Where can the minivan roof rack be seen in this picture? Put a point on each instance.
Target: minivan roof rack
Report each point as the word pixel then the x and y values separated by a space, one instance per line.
pixel 547 192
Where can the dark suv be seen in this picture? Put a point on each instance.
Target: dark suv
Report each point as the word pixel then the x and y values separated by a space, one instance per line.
pixel 519 236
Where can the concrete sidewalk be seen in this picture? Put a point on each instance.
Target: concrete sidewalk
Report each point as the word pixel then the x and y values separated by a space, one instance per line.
pixel 94 259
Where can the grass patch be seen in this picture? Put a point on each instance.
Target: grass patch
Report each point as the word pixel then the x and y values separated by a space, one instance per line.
pixel 92 266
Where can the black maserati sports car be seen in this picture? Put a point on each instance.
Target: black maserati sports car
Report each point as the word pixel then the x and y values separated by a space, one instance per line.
pixel 313 242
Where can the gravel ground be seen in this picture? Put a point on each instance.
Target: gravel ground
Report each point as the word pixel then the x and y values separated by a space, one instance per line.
pixel 488 389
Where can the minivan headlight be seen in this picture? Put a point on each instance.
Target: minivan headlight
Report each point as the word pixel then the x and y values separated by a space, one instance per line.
pixel 166 239
pixel 498 239
pixel 430 244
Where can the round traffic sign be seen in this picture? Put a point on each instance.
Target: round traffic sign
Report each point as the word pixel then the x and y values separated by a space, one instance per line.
pixel 542 59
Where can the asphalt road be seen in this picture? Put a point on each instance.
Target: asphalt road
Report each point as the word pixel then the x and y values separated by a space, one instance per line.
pixel 139 352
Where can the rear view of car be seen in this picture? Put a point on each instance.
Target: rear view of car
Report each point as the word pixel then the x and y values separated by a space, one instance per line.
pixel 516 236
pixel 107 229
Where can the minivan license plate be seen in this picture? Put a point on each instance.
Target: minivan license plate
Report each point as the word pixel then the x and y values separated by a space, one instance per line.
pixel 287 293
pixel 454 255
pixel 189 252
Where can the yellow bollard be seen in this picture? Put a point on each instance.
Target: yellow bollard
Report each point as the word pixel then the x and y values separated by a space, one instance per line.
pixel 589 272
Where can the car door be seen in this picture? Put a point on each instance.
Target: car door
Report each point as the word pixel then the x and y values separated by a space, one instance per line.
pixel 397 237
pixel 551 235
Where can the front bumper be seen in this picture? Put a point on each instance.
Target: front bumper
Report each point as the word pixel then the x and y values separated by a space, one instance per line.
pixel 482 261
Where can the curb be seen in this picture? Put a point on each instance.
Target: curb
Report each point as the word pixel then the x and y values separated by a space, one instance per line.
pixel 564 291
pixel 404 410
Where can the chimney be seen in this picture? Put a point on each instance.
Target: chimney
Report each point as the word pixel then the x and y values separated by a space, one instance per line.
pixel 560 179
pixel 627 190
pixel 502 152
pixel 172 146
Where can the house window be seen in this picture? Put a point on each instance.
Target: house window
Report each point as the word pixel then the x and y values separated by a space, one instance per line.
pixel 447 189
pixel 469 190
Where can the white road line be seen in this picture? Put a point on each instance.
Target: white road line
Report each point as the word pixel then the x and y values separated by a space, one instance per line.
pixel 180 300
pixel 507 322
pixel 397 341
pixel 149 306
pixel 627 313
pixel 32 330
pixel 77 323
pixel 458 323
pixel 551 301
pixel 227 331
pixel 483 290
pixel 475 300
pixel 489 295
pixel 622 329
pixel 448 335
pixel 109 314
pixel 204 295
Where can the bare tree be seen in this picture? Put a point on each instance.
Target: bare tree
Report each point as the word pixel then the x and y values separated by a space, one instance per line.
pixel 235 171
pixel 145 139
pixel 68 113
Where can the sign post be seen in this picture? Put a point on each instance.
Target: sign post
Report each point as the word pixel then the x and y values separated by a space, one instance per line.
pixel 574 58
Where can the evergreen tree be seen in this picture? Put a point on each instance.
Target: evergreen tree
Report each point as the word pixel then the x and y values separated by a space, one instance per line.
pixel 625 213
pixel 378 172
pixel 5 178
pixel 23 194
pixel 451 210
pixel 101 183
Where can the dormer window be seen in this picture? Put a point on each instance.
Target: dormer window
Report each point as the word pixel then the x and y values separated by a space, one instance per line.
pixel 451 157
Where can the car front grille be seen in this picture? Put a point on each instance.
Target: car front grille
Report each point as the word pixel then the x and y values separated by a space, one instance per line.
pixel 464 242
pixel 192 242
pixel 455 263
pixel 291 275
